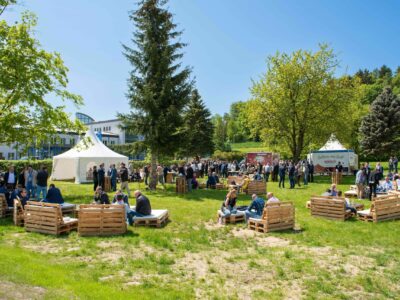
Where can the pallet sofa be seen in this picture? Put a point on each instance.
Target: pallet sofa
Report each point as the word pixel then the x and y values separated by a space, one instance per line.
pixel 275 217
pixel 5 211
pixel 47 218
pixel 239 216
pixel 158 218
pixel 258 187
pixel 382 209
pixel 328 207
pixel 101 220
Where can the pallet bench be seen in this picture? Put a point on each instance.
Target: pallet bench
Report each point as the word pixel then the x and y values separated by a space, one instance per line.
pixel 101 220
pixel 233 218
pixel 275 217
pixel 68 208
pixel 158 218
pixel 382 209
pixel 5 211
pixel 47 218
pixel 333 208
pixel 18 213
pixel 257 187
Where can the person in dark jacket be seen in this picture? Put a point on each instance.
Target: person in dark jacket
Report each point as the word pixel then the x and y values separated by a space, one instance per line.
pixel 291 171
pixel 142 208
pixel 100 197
pixel 7 194
pixel 113 176
pixel 21 177
pixel 54 195
pixel 101 173
pixel 10 178
pixel 189 177
pixel 95 178
pixel 373 182
pixel 41 183
pixel 124 175
pixel 282 173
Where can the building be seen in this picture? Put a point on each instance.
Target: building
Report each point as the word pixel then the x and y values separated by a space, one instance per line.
pixel 110 133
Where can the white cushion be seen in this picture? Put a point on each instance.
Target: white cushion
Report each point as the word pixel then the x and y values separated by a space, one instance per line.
pixel 238 213
pixel 155 214
pixel 364 212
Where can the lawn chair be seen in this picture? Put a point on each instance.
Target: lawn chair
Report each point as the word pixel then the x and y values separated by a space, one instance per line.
pixel 47 218
pixel 275 217
pixel 101 219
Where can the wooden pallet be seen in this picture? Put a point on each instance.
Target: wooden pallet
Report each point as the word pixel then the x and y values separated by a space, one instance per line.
pixel 232 219
pixel 257 187
pixel 69 210
pixel 18 213
pixel 383 209
pixel 219 186
pixel 47 218
pixel 5 211
pixel 181 185
pixel 351 194
pixel 276 217
pixel 101 220
pixel 107 184
pixel 336 177
pixel 236 179
pixel 158 222
pixel 169 178
pixel 333 208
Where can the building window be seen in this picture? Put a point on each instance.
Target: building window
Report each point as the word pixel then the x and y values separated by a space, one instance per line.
pixel 72 141
pixel 104 142
pixel 63 141
pixel 11 156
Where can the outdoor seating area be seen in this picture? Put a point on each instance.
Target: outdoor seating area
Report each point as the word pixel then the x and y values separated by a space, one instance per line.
pixel 275 217
pixel 382 209
pixel 333 208
pixel 233 218
pixel 158 218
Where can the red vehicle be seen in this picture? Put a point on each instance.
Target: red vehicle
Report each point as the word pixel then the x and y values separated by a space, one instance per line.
pixel 262 157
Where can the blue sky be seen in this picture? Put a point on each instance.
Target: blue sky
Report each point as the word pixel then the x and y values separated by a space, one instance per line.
pixel 229 41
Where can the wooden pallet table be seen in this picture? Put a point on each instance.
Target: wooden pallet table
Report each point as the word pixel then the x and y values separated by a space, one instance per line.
pixel 276 217
pixel 336 177
pixel 181 185
pixel 107 184
pixel 158 218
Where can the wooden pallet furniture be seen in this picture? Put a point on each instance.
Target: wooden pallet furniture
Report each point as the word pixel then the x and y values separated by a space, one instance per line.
pixel 336 177
pixel 333 208
pixel 68 209
pixel 158 218
pixel 5 211
pixel 101 220
pixel 18 213
pixel 382 209
pixel 258 187
pixel 238 217
pixel 351 194
pixel 236 179
pixel 275 217
pixel 170 177
pixel 181 185
pixel 107 184
pixel 47 218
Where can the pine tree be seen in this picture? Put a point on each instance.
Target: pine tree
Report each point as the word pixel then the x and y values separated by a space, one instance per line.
pixel 380 129
pixel 159 87
pixel 198 128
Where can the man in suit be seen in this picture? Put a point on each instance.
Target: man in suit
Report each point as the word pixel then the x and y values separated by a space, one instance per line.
pixel 30 181
pixel 101 173
pixel 113 176
pixel 10 178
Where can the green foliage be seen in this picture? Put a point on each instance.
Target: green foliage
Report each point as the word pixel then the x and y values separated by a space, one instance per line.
pixel 299 102
pixel 29 74
pixel 20 164
pixel 237 130
pixel 380 129
pixel 198 129
pixel 228 156
pixel 220 137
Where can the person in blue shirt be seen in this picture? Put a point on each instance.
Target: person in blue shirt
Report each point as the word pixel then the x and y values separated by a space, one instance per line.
pixel 211 181
pixel 3 190
pixel 53 195
pixel 113 176
pixel 257 177
pixel 256 208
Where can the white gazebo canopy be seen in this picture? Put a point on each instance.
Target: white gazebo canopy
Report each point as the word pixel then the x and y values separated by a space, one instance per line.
pixel 89 152
pixel 332 144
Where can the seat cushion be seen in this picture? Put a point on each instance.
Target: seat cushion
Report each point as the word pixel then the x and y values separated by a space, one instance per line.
pixel 365 212
pixel 68 220
pixel 238 213
pixel 155 214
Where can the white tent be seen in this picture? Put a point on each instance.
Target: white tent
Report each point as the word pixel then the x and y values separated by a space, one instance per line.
pixel 328 156
pixel 76 162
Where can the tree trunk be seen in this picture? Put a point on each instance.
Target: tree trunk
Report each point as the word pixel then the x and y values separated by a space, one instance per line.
pixel 153 173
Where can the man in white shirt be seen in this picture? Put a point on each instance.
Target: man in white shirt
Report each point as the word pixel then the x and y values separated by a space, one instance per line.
pixel 271 198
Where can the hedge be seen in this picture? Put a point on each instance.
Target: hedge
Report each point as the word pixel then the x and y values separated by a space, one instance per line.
pixel 20 164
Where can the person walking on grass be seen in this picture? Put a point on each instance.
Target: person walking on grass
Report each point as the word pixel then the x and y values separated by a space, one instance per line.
pixel 123 173
pixel 282 173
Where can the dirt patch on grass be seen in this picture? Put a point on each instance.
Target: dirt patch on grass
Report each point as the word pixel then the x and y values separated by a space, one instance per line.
pixel 261 239
pixel 11 290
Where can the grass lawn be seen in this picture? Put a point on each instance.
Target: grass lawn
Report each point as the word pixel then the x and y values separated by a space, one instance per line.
pixel 193 257
pixel 249 147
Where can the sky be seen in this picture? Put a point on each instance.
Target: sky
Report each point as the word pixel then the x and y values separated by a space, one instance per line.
pixel 228 42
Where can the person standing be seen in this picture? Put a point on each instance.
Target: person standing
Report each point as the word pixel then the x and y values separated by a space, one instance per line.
pixel 391 166
pixel 10 178
pixel 373 182
pixel 42 177
pixel 113 177
pixel 311 171
pixel 146 174
pixel 101 173
pixel 21 177
pixel 282 173
pixel 267 171
pixel 160 175
pixel 95 178
pixel 305 173
pixel 395 163
pixel 189 177
pixel 30 181
pixel 123 173
pixel 291 175
pixel 360 180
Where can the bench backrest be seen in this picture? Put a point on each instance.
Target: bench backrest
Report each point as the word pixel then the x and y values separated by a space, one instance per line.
pixel 258 187
pixel 43 217
pixel 3 205
pixel 276 212
pixel 328 207
pixel 18 213
pixel 236 179
pixel 101 219
pixel 386 208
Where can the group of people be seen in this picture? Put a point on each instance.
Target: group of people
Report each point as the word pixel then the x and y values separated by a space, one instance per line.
pixel 142 208
pixel 368 180
pixel 99 174
pixel 254 210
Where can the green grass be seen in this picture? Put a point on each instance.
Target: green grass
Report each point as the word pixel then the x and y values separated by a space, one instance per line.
pixel 249 147
pixel 192 257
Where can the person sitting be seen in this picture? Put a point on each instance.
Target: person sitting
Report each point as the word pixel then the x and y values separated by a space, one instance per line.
pixel 14 195
pixel 211 181
pixel 333 191
pixel 53 195
pixel 245 183
pixel 118 196
pixel 349 206
pixel 256 208
pixel 23 197
pixel 386 186
pixel 229 205
pixel 271 198
pixel 142 208
pixel 257 177
pixel 100 197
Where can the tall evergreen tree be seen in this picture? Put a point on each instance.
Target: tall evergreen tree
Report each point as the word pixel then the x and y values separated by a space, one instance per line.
pixel 159 87
pixel 198 128
pixel 380 129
